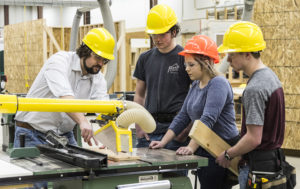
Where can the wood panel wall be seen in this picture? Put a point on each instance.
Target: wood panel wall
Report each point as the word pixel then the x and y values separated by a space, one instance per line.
pixel 28 45
pixel 280 23
pixel 23 55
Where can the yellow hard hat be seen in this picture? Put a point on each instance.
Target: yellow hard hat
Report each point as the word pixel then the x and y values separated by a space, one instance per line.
pixel 243 37
pixel 160 19
pixel 101 42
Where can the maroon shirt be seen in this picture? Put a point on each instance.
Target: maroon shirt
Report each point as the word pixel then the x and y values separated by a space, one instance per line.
pixel 263 104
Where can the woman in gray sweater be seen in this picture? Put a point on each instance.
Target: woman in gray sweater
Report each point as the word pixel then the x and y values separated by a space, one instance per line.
pixel 210 100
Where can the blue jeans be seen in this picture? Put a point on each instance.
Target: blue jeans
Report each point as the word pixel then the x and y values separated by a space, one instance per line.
pixel 213 176
pixel 32 139
pixel 243 176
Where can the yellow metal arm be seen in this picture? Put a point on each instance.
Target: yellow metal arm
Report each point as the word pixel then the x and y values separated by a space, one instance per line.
pixel 111 109
pixel 12 104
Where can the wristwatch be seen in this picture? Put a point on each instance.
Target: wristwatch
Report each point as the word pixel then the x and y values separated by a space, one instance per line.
pixel 226 155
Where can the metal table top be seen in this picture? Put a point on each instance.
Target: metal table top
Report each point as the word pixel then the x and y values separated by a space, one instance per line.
pixel 151 160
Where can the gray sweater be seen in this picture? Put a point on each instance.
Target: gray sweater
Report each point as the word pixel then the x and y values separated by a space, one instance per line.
pixel 213 105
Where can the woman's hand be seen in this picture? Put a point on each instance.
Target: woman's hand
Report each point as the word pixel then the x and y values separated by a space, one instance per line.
pixel 185 151
pixel 156 144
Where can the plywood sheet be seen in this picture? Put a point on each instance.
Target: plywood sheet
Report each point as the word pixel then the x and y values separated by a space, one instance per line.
pixel 292 101
pixel 23 54
pixel 291 136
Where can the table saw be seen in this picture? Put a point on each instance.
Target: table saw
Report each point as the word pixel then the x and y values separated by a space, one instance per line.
pixel 66 166
pixel 153 166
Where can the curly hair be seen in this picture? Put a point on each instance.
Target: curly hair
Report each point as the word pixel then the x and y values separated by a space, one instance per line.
pixel 83 51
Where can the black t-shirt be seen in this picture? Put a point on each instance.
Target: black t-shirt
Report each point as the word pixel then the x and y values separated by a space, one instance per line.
pixel 167 82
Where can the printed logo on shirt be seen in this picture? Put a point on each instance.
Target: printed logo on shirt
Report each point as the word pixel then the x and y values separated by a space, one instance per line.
pixel 173 69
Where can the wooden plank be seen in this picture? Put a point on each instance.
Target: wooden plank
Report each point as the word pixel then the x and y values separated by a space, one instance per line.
pixel 216 14
pixel 44 46
pixel 61 38
pixel 230 74
pixel 52 38
pixel 135 33
pixel 128 63
pixel 50 44
pixel 235 13
pixel 212 143
pixel 17 186
pixel 206 13
pixel 121 156
pixel 121 48
pixel 225 13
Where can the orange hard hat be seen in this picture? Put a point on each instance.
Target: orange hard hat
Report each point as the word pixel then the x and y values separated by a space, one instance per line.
pixel 201 44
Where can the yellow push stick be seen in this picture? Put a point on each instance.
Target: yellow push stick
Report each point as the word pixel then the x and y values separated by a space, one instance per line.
pixel 212 143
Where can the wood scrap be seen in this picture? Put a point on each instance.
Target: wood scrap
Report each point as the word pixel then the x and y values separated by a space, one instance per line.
pixel 121 156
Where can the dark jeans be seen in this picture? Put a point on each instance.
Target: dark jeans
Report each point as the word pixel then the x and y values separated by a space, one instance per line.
pixel 213 176
pixel 32 139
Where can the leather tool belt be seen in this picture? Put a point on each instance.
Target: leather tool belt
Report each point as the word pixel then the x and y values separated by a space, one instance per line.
pixel 24 125
pixel 269 170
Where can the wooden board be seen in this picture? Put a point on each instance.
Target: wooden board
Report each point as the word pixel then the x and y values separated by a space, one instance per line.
pixel 116 157
pixel 212 143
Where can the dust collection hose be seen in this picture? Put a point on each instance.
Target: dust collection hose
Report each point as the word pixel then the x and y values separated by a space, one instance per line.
pixel 135 113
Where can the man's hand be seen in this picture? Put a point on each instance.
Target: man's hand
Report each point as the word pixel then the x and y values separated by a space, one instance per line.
pixel 85 127
pixel 140 133
pixel 222 161
pixel 185 151
pixel 87 133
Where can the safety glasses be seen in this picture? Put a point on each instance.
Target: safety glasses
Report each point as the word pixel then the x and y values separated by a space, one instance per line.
pixel 100 59
pixel 161 35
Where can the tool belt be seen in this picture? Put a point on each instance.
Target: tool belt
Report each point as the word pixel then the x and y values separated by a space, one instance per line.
pixel 24 125
pixel 164 117
pixel 269 170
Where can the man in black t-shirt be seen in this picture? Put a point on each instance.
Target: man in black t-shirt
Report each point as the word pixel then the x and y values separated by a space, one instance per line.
pixel 162 82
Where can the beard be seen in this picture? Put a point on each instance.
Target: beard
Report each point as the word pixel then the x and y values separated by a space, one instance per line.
pixel 91 69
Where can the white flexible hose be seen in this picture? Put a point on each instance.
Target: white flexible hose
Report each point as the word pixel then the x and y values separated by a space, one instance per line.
pixel 135 113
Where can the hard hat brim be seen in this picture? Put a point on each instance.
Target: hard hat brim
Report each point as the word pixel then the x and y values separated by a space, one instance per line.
pixel 158 31
pixel 106 55
pixel 186 52
pixel 223 49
